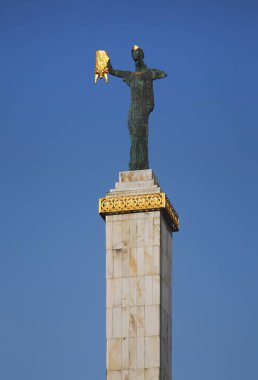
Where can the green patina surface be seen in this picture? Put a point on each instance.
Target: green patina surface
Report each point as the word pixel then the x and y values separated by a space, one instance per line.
pixel 140 82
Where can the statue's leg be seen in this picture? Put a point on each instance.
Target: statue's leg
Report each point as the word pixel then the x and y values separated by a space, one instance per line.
pixel 144 147
pixel 138 129
pixel 133 153
pixel 132 131
pixel 139 146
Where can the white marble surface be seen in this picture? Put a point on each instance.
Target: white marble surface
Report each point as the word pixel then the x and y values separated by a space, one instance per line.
pixel 136 182
pixel 138 288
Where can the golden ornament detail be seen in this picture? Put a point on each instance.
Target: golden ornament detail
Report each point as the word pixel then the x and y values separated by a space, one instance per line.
pixel 140 203
pixel 101 69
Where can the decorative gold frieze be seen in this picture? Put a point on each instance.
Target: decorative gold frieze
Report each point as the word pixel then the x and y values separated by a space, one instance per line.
pixel 141 202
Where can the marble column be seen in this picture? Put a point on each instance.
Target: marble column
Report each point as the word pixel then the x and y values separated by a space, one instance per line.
pixel 140 221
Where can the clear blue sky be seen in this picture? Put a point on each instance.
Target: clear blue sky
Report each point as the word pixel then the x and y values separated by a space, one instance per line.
pixel 63 141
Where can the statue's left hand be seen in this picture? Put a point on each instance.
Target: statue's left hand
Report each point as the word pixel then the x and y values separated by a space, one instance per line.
pixel 158 74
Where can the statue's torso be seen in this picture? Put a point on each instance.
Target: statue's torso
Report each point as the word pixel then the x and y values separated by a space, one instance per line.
pixel 142 98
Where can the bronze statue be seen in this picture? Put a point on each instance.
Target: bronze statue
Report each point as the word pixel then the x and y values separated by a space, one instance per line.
pixel 141 105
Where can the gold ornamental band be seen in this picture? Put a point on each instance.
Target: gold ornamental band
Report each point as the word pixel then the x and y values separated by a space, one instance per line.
pixel 140 203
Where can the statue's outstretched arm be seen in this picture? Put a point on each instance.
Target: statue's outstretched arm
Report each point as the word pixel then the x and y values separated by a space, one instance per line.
pixel 158 74
pixel 116 73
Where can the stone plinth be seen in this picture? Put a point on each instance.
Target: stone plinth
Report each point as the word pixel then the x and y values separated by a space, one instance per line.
pixel 139 225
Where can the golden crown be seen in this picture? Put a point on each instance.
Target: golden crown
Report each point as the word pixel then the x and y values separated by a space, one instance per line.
pixel 135 47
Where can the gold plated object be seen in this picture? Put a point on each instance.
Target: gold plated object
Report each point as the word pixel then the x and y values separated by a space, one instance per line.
pixel 135 47
pixel 101 69
pixel 137 203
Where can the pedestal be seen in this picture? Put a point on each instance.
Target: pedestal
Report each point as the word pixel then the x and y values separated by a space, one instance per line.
pixel 140 221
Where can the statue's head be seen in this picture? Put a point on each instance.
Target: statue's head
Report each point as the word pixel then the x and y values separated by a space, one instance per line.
pixel 138 56
pixel 137 53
